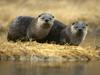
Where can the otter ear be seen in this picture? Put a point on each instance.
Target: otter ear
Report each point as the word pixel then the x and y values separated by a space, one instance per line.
pixel 86 24
pixel 73 23
pixel 39 15
pixel 53 17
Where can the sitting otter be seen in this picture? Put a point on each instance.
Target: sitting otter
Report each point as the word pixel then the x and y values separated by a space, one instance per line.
pixel 25 27
pixel 74 34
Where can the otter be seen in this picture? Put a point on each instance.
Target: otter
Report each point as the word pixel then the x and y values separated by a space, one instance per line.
pixel 40 27
pixel 74 34
pixel 27 28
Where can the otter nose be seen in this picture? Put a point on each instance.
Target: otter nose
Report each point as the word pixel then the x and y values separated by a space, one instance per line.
pixel 46 20
pixel 79 29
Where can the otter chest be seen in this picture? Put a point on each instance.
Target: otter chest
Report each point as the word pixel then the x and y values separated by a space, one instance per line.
pixel 76 39
pixel 41 33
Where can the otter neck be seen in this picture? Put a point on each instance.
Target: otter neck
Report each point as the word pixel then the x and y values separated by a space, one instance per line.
pixel 40 32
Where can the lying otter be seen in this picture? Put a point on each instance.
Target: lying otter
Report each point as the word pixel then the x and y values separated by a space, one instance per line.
pixel 74 34
pixel 29 28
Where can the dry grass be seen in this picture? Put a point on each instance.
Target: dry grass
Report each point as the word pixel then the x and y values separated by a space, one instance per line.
pixel 65 10
pixel 45 52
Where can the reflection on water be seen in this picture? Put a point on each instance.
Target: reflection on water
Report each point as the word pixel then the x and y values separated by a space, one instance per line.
pixel 29 68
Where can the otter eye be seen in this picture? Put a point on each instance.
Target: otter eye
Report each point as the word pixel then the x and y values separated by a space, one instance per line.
pixel 83 27
pixel 50 18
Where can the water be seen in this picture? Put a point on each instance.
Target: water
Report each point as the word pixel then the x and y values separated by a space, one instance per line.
pixel 69 68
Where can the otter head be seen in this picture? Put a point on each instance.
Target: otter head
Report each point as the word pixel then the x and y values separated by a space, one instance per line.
pixel 79 27
pixel 45 20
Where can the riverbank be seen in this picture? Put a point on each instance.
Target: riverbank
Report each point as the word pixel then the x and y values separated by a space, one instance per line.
pixel 33 51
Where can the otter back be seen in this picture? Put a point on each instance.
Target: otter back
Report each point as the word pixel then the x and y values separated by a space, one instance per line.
pixel 18 28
